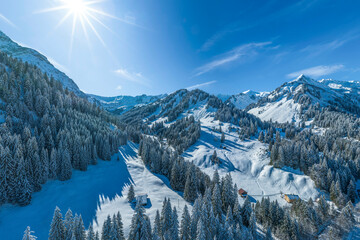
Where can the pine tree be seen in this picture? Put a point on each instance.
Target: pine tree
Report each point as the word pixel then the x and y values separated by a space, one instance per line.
pixel 261 136
pixel 174 225
pixel 185 225
pixel 119 227
pixel 53 164
pixel 69 224
pixel 57 229
pixel 106 229
pixel 7 176
pixel 166 217
pixel 80 229
pixel 90 234
pixel 252 225
pixel 200 233
pixel 140 228
pixel 23 188
pixel 44 161
pixel 246 211
pixel 222 138
pixel 190 191
pixel 65 168
pixel 131 194
pixel 214 158
pixel 28 234
pixel 157 227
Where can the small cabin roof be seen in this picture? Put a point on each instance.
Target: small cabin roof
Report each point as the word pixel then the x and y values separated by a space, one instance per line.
pixel 141 194
pixel 242 191
pixel 292 196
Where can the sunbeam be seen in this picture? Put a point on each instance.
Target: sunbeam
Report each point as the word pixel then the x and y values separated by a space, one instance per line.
pixel 83 13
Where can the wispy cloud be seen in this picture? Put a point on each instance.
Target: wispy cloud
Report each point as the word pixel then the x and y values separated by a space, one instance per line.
pixel 119 87
pixel 317 71
pixel 5 19
pixel 297 8
pixel 135 77
pixel 200 85
pixel 249 49
pixel 316 49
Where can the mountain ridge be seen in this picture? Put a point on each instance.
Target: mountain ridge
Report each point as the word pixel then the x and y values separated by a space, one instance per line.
pixel 32 56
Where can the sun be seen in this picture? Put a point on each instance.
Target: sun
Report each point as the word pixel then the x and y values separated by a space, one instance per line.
pixel 83 14
pixel 76 6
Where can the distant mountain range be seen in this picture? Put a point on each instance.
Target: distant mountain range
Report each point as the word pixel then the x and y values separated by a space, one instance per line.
pixel 284 104
pixel 122 104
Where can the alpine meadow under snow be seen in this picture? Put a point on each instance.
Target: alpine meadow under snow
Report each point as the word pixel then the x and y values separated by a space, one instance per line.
pixel 186 165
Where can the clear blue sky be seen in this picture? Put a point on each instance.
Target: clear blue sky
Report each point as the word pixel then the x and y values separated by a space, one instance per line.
pixel 227 47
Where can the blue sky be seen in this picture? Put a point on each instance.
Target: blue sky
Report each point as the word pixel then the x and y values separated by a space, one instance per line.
pixel 153 47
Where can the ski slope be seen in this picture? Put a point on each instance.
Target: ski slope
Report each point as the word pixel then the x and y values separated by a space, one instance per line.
pixel 248 163
pixel 156 186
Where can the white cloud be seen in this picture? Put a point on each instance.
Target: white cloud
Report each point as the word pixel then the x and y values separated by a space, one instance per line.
pixel 5 19
pixel 200 85
pixel 231 56
pixel 131 76
pixel 119 87
pixel 317 71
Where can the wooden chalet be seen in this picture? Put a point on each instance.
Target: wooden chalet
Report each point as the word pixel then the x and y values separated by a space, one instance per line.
pixel 242 193
pixel 290 198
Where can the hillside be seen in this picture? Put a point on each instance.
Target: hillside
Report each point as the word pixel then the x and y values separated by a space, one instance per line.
pixel 35 58
pixel 288 102
pixel 122 104
pixel 244 99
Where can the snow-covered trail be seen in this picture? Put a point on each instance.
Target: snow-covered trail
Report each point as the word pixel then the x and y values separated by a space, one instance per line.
pixel 156 186
pixel 248 163
pixel 80 193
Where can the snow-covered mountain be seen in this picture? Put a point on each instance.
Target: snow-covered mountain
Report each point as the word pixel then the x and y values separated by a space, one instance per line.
pixel 287 103
pixel 244 99
pixel 35 58
pixel 121 104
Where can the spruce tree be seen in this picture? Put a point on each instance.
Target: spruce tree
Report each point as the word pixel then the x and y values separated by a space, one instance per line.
pixel 185 228
pixel 90 234
pixel 57 229
pixel 28 234
pixel 131 194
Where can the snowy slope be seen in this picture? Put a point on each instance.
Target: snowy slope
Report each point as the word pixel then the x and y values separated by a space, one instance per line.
pixel 94 194
pixel 247 162
pixel 174 106
pixel 34 57
pixel 244 99
pixel 156 186
pixel 80 193
pixel 285 103
pixel 121 104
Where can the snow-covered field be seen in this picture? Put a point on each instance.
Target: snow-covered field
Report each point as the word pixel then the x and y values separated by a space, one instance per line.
pixel 80 193
pixel 156 186
pixel 247 161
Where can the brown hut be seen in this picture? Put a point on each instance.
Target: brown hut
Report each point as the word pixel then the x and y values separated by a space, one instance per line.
pixel 242 193
pixel 290 198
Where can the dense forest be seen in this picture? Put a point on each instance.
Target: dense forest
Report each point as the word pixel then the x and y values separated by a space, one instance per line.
pixel 47 131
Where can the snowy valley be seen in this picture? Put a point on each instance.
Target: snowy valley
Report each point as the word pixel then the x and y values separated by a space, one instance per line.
pixel 189 153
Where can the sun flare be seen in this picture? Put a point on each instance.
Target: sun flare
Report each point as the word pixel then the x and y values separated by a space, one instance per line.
pixel 84 15
pixel 76 6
